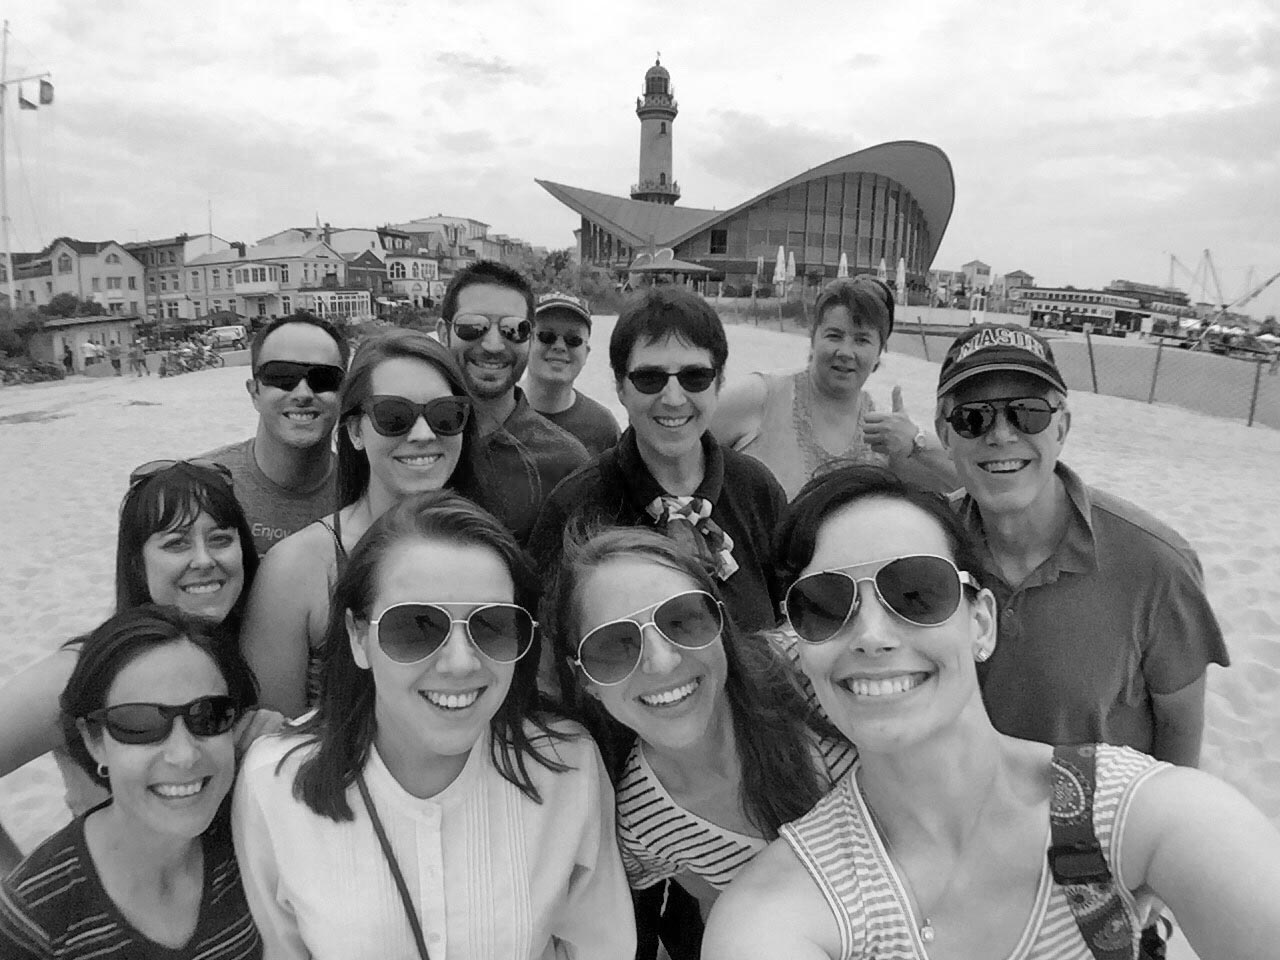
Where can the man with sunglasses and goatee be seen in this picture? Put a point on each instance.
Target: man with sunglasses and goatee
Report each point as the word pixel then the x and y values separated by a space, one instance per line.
pixel 283 475
pixel 1105 632
pixel 561 344
pixel 520 456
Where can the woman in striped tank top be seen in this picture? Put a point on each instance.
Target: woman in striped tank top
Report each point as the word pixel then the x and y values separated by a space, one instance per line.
pixel 934 846
pixel 709 743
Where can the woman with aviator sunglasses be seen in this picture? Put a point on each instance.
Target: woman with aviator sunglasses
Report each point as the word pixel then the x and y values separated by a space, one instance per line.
pixel 708 739
pixel 183 540
pixel 148 713
pixel 947 837
pixel 430 804
pixel 405 427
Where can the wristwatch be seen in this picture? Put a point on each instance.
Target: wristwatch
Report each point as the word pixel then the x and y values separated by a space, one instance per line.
pixel 918 443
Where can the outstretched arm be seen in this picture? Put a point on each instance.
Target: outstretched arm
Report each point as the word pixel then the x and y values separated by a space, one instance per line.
pixel 740 412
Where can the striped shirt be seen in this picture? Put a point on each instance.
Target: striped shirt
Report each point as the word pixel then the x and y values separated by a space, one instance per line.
pixel 844 854
pixel 54 905
pixel 659 839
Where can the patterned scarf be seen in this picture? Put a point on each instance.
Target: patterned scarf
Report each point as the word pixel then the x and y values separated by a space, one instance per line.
pixel 687 521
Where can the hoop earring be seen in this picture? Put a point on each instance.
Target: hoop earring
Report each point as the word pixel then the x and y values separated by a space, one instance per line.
pixel 102 771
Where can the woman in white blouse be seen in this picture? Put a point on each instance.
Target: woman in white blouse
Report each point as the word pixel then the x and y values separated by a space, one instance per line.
pixel 428 806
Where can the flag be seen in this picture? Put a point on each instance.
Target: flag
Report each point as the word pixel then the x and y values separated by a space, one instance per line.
pixel 46 92
pixel 24 103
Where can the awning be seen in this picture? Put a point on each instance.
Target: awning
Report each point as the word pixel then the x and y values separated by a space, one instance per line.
pixel 386 302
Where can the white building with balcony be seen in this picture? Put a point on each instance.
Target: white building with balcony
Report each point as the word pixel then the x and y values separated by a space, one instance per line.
pixel 101 271
pixel 269 280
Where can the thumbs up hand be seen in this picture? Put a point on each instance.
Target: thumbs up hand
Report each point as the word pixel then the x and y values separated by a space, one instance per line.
pixel 891 434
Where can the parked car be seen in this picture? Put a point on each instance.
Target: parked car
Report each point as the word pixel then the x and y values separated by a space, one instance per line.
pixel 233 337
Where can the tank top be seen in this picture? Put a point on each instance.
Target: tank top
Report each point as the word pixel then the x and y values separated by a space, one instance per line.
pixel 785 442
pixel 843 853
pixel 334 525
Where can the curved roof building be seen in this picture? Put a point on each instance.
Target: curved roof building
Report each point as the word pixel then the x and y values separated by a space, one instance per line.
pixel 886 202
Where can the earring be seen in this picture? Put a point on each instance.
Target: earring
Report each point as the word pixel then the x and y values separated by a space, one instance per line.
pixel 981 655
pixel 102 771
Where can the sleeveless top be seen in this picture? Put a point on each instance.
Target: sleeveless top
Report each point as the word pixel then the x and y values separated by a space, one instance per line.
pixel 334 525
pixel 785 442
pixel 844 854
pixel 659 839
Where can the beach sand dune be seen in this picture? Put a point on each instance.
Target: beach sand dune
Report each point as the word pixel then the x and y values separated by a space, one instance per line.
pixel 67 449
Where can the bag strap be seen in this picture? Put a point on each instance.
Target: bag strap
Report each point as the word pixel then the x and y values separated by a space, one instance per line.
pixel 405 900
pixel 1076 859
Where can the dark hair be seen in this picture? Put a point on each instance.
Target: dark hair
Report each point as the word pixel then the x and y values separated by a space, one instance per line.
pixel 343 724
pixel 353 464
pixel 105 652
pixel 656 313
pixel 486 272
pixel 869 302
pixel 770 715
pixel 167 500
pixel 803 517
pixel 298 316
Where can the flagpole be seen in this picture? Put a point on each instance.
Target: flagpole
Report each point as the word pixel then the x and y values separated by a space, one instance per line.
pixel 4 170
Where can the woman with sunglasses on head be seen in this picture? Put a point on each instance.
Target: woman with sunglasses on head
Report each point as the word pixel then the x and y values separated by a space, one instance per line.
pixel 948 838
pixel 709 742
pixel 804 423
pixel 183 540
pixel 668 351
pixel 405 427
pixel 429 804
pixel 148 713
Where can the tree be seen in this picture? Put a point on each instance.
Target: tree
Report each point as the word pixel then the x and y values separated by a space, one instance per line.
pixel 69 305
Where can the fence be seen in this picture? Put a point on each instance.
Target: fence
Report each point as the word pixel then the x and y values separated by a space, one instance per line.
pixel 1230 387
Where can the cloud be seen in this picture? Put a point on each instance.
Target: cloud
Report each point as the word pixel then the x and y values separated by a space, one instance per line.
pixel 465 63
pixel 754 152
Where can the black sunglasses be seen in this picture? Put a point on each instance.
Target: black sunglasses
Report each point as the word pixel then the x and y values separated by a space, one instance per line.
pixel 287 374
pixel 473 326
pixel 395 416
pixel 1029 415
pixel 549 338
pixel 611 652
pixel 153 722
pixel 922 590
pixel 412 632
pixel 153 467
pixel 654 379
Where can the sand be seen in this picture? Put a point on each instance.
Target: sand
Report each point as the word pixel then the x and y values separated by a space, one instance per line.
pixel 66 450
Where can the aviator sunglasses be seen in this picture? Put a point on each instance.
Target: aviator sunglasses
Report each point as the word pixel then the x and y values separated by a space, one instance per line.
pixel 610 653
pixel 287 374
pixel 413 632
pixel 473 326
pixel 923 590
pixel 654 379
pixel 549 338
pixel 395 416
pixel 152 467
pixel 153 722
pixel 1029 415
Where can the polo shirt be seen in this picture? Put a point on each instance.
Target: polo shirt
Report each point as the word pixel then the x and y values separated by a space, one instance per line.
pixel 274 511
pixel 589 421
pixel 746 502
pixel 520 463
pixel 1115 614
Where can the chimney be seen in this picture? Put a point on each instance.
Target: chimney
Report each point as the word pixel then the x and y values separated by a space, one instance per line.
pixel 328 231
pixel 239 248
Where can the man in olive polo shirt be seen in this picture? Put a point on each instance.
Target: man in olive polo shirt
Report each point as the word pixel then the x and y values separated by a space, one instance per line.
pixel 1105 632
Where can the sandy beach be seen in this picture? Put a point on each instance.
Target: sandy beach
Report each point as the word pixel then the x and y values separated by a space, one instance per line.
pixel 67 448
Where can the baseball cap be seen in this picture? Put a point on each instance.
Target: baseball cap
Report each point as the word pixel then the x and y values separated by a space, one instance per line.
pixel 988 347
pixel 576 307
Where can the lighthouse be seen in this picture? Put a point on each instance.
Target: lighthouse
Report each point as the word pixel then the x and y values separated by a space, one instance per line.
pixel 657 111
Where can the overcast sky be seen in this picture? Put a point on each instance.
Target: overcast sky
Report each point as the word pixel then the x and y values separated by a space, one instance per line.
pixel 1089 139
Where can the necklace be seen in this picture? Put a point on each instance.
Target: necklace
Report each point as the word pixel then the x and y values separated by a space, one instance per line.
pixel 925 927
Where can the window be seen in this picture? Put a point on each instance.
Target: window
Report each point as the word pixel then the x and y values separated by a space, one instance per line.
pixel 172 259
pixel 397 270
pixel 662 179
pixel 284 273
pixel 195 280
pixel 48 286
pixel 171 311
pixel 662 128
pixel 217 305
pixel 133 283
pixel 164 283
pixel 133 307
pixel 286 305
pixel 113 283
pixel 217 280
pixel 64 264
pixel 151 285
pixel 95 283
pixel 116 307
pixel 113 258
pixel 719 241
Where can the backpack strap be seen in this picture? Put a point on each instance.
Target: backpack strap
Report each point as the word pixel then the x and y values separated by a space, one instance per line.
pixel 1076 859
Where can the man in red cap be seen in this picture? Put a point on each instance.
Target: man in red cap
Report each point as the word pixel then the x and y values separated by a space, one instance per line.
pixel 1105 632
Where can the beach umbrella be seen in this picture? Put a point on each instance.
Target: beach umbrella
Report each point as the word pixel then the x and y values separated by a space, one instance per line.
pixel 780 268
pixel 882 272
pixel 1270 338
pixel 902 280
pixel 842 271
pixel 791 266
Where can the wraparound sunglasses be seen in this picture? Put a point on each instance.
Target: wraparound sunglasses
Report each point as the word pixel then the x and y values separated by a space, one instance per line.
pixel 652 380
pixel 153 722
pixel 287 374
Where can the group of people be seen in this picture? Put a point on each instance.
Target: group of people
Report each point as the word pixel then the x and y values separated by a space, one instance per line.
pixel 92 352
pixel 437 665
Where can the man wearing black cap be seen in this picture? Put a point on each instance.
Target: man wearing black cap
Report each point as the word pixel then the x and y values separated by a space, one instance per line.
pixel 562 334
pixel 1105 632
